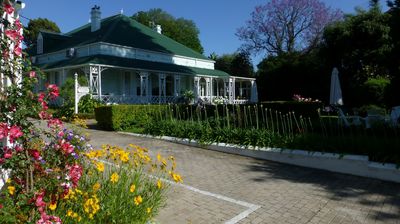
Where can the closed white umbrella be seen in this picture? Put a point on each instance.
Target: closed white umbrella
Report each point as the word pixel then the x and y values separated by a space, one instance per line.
pixel 335 97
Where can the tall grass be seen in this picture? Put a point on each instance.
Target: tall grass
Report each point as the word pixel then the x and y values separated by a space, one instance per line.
pixel 256 125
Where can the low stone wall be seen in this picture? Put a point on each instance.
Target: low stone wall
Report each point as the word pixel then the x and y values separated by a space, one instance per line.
pixel 347 164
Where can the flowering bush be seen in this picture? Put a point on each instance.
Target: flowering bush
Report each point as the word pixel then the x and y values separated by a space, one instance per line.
pixel 219 100
pixel 50 172
pixel 299 98
pixel 114 188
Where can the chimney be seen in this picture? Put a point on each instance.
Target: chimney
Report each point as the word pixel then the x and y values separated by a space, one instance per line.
pixel 95 18
pixel 159 29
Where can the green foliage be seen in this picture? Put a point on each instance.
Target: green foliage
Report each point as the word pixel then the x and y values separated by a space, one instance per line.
pixel 181 30
pixel 35 26
pixel 360 46
pixel 237 64
pixel 120 117
pixel 282 76
pixel 67 90
pixel 375 90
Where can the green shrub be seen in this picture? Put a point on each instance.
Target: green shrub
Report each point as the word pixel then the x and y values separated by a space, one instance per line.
pixel 122 117
pixel 375 90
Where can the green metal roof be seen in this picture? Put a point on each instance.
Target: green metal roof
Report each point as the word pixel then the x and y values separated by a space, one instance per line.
pixel 121 30
pixel 134 64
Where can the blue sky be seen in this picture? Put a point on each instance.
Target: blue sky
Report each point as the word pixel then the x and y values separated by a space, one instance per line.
pixel 217 20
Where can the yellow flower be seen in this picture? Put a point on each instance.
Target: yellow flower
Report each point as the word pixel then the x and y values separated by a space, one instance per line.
pixel 159 157
pixel 114 177
pixel 132 188
pixel 100 166
pixel 124 156
pixel 69 213
pixel 159 184
pixel 148 210
pixel 8 181
pixel 53 206
pixel 177 178
pixel 96 187
pixel 138 200
pixel 11 190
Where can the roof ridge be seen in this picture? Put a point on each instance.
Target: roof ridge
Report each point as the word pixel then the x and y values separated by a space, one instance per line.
pixel 112 27
pixel 164 36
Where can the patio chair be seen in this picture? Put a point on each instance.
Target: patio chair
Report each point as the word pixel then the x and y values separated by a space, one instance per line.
pixel 395 116
pixel 349 120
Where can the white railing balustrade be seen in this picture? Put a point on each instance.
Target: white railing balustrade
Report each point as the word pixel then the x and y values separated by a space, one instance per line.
pixel 128 99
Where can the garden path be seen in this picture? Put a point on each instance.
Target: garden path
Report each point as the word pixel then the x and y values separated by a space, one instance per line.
pixel 224 188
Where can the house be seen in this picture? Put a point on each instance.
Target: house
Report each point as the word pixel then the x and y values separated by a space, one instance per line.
pixel 127 62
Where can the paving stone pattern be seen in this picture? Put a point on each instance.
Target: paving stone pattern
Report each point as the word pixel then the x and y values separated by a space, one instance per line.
pixel 286 194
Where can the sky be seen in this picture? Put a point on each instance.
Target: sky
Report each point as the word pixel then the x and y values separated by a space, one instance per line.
pixel 217 20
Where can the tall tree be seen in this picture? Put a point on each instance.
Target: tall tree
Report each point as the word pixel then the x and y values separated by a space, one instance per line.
pixel 360 46
pixel 36 25
pixel 181 30
pixel 286 26
pixel 237 64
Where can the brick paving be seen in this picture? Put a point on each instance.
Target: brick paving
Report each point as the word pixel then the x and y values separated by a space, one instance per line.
pixel 286 194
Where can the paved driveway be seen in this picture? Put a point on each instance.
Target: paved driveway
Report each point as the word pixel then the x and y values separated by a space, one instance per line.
pixel 224 188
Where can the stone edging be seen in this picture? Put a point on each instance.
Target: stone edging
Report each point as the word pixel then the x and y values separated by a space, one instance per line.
pixel 347 164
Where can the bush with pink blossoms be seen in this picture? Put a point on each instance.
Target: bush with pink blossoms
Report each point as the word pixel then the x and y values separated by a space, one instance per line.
pixel 43 165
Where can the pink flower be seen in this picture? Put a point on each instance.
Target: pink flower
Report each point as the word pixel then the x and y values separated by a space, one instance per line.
pixel 60 134
pixel 41 97
pixel 18 148
pixel 18 24
pixel 54 123
pixel 66 147
pixel 39 200
pixel 8 155
pixel 15 132
pixel 3 130
pixel 18 51
pixel 32 74
pixel 8 8
pixel 75 172
pixel 53 91
pixel 44 115
pixel 12 34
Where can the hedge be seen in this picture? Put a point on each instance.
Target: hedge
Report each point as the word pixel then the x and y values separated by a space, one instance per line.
pixel 122 117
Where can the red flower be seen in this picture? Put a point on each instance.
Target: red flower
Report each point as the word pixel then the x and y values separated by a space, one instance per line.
pixel 1 206
pixel 8 8
pixel 35 154
pixel 75 172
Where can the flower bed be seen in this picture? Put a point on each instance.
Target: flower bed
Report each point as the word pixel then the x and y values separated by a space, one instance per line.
pixel 53 175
